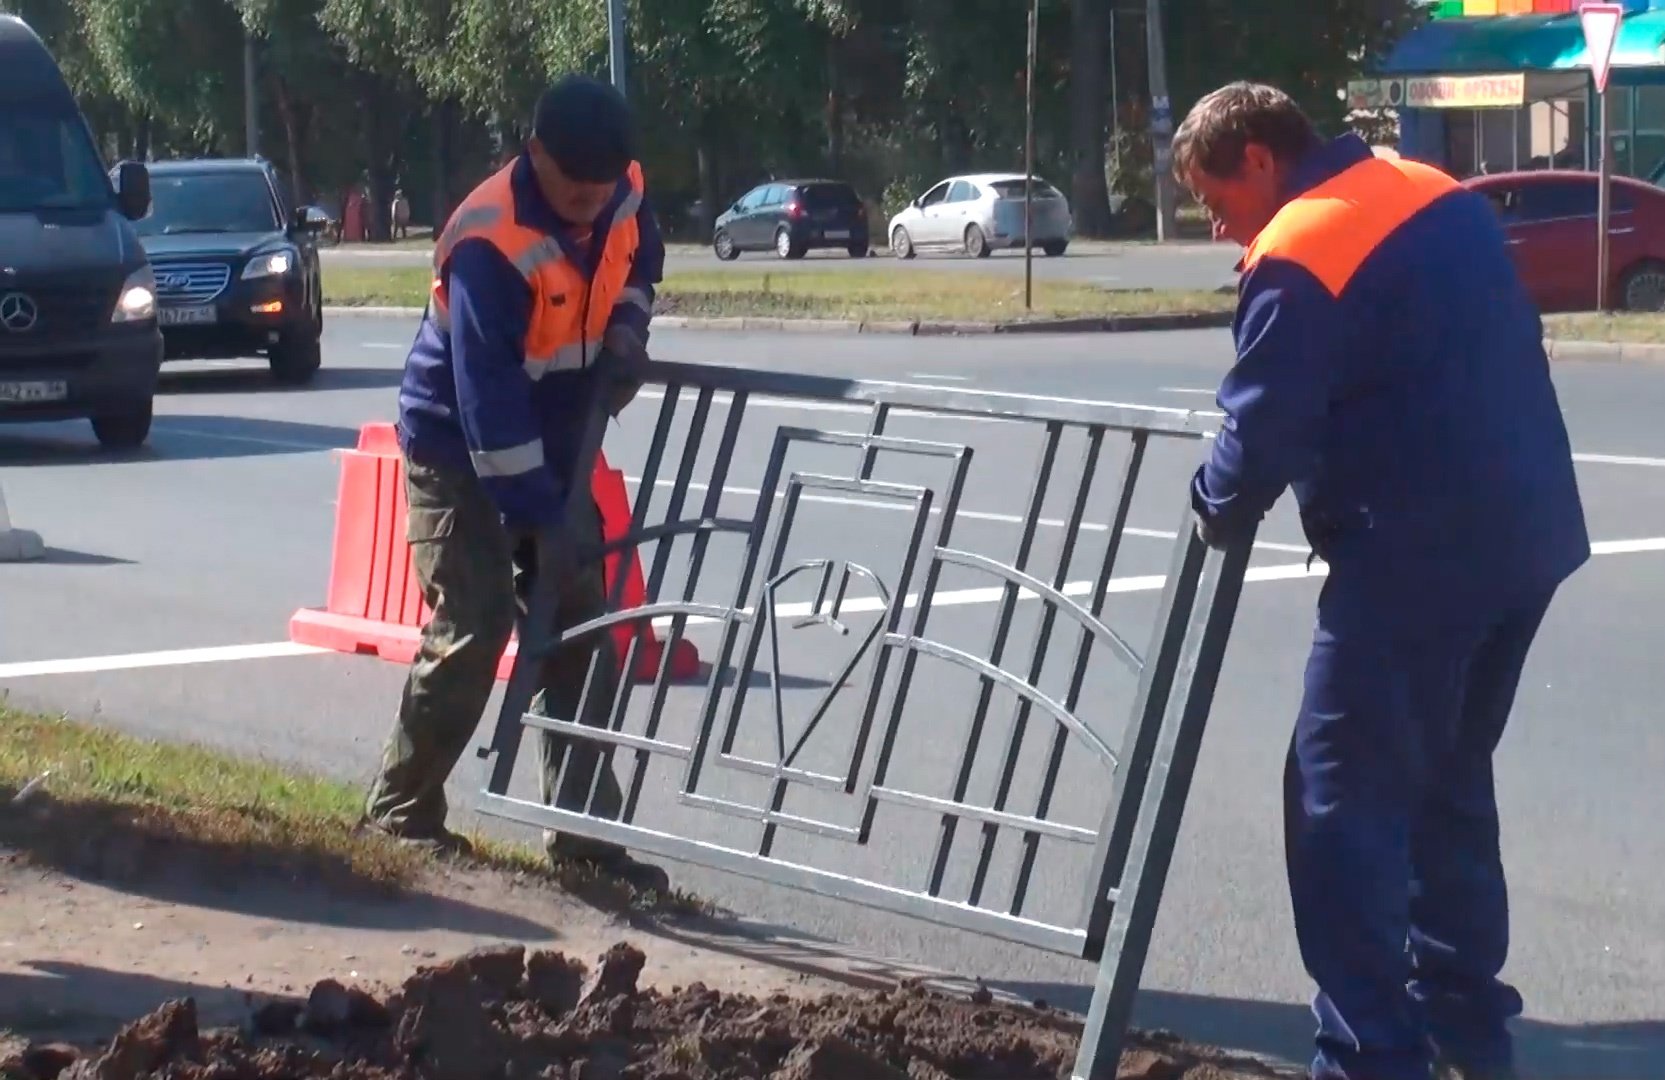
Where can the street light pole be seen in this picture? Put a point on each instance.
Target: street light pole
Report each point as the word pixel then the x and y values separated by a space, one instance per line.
pixel 1029 162
pixel 615 42
pixel 1161 123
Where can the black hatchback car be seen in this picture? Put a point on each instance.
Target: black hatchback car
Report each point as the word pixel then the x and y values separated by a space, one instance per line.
pixel 790 217
pixel 237 271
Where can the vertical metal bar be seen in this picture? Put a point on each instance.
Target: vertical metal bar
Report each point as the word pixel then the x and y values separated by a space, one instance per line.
pixel 761 517
pixel 638 514
pixel 1604 209
pixel 615 43
pixel 997 648
pixel 922 612
pixel 696 562
pixel 1037 665
pixel 1029 160
pixel 1127 786
pixel 869 458
pixel 1161 811
pixel 1078 677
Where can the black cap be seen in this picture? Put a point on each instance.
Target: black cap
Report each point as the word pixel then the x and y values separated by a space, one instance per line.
pixel 584 124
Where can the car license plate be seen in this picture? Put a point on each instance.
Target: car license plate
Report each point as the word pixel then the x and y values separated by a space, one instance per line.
pixel 25 393
pixel 838 234
pixel 187 316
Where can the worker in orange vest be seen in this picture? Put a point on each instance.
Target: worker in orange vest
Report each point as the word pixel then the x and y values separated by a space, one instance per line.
pixel 549 263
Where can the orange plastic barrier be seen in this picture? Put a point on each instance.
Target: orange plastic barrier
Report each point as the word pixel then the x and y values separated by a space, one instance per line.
pixel 374 605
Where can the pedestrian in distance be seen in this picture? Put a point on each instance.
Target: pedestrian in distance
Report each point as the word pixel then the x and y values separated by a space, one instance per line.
pixel 545 267
pixel 1390 370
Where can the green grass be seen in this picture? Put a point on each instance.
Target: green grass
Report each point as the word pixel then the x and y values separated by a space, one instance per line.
pixel 869 294
pixel 1630 327
pixel 98 784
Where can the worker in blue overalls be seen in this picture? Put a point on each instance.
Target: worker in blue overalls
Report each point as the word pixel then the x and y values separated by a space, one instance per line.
pixel 1389 369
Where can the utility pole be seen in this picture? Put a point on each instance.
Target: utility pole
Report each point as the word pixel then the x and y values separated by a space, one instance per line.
pixel 1029 162
pixel 251 103
pixel 1161 123
pixel 615 42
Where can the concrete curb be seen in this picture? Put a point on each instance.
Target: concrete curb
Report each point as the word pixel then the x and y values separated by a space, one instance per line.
pixel 1603 350
pixel 1195 320
pixel 1192 320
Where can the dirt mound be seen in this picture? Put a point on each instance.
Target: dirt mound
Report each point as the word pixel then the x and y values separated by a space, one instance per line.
pixel 501 1013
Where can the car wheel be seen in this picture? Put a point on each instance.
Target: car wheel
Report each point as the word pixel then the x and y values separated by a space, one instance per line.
pixel 295 359
pixel 723 245
pixel 1055 248
pixel 901 244
pixel 124 430
pixel 976 243
pixel 785 247
pixel 858 251
pixel 1643 287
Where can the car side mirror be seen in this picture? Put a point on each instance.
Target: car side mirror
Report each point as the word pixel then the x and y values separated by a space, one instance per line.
pixel 313 219
pixel 133 189
pixel 919 203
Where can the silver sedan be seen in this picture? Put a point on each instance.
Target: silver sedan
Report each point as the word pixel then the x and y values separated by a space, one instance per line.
pixel 980 213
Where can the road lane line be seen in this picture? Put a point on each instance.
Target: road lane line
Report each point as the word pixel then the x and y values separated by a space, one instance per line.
pixel 1186 390
pixel 1620 459
pixel 382 345
pixel 854 605
pixel 938 378
pixel 166 658
pixel 973 515
pixel 251 440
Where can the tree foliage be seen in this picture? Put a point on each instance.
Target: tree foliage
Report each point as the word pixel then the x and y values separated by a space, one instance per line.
pixel 890 93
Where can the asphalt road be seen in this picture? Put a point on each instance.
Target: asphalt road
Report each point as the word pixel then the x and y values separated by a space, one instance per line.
pixel 215 536
pixel 1185 265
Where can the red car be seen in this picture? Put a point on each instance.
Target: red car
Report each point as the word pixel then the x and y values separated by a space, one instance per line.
pixel 1550 218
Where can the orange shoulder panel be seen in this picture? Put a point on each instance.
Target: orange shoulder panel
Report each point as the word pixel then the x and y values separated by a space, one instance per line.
pixel 1331 229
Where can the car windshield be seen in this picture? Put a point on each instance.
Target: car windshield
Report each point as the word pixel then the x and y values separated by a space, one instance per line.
pixel 208 203
pixel 1013 189
pixel 47 162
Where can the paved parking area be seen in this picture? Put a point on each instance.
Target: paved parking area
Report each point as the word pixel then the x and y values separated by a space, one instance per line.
pixel 163 605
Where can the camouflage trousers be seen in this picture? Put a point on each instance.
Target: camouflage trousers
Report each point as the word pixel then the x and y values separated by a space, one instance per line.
pixel 475 576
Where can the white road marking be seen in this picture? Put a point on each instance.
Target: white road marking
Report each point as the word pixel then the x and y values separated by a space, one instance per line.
pixel 938 378
pixel 1620 459
pixel 382 345
pixel 973 515
pixel 1187 390
pixel 166 658
pixel 283 444
pixel 854 605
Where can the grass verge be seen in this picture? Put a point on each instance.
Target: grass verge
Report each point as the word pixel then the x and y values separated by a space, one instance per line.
pixel 74 794
pixel 871 294
pixel 1636 328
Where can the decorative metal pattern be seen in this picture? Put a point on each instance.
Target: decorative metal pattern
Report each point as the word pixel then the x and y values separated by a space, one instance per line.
pixel 721 771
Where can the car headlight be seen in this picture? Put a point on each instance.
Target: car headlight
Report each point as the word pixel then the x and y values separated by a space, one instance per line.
pixel 137 301
pixel 278 262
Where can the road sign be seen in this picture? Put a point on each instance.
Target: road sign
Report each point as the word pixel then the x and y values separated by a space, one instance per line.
pixel 1601 30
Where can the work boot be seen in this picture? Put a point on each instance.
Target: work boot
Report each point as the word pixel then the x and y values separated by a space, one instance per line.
pixel 438 842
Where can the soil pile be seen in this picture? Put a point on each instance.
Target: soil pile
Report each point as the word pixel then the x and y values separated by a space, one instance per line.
pixel 502 1013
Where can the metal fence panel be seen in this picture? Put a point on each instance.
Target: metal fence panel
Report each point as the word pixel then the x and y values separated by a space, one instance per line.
pixel 783 801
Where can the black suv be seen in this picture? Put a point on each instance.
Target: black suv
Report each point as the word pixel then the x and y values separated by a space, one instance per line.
pixel 791 217
pixel 236 265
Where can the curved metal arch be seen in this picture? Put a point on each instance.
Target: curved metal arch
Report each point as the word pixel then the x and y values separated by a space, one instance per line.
pixel 1017 577
pixel 1012 683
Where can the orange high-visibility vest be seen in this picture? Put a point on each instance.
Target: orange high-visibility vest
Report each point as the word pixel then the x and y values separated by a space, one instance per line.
pixel 569 315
